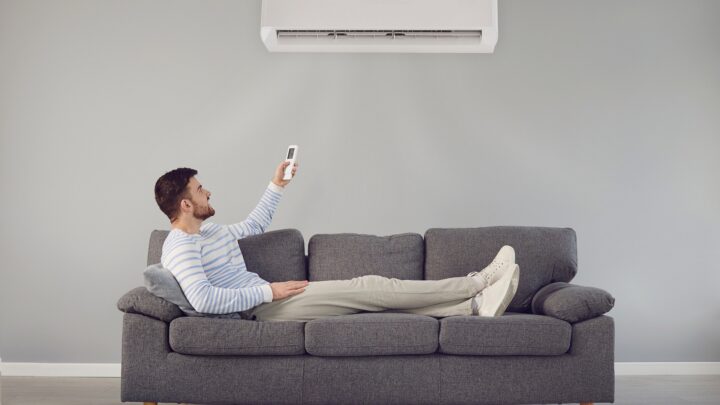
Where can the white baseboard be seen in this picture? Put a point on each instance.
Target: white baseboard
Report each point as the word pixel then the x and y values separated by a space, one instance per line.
pixel 668 368
pixel 113 369
pixel 60 369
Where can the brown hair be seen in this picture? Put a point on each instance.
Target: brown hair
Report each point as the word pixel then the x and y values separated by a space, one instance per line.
pixel 171 188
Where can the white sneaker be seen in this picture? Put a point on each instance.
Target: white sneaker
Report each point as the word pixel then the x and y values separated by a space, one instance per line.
pixel 502 262
pixel 494 300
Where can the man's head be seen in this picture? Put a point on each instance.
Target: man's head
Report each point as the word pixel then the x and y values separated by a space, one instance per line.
pixel 178 193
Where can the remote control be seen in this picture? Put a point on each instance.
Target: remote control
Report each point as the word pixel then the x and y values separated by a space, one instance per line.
pixel 291 157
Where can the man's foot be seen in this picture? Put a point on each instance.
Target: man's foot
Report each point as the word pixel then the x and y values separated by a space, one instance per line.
pixel 494 300
pixel 502 262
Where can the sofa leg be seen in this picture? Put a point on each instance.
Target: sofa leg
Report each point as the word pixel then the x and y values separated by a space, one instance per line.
pixel 586 403
pixel 149 403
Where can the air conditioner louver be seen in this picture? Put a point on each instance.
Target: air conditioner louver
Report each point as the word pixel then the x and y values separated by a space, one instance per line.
pixel 362 25
pixel 389 39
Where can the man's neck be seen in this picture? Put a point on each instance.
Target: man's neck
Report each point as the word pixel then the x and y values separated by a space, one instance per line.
pixel 190 227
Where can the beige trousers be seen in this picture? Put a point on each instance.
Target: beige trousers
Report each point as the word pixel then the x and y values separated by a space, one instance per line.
pixel 437 298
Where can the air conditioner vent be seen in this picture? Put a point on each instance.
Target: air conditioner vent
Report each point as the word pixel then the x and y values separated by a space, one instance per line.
pixel 340 34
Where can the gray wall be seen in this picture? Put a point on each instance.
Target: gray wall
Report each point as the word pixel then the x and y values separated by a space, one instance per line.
pixel 602 116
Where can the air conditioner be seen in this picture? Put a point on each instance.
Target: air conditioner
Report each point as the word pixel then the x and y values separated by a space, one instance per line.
pixel 460 26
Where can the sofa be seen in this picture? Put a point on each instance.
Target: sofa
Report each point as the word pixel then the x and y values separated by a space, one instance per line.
pixel 552 345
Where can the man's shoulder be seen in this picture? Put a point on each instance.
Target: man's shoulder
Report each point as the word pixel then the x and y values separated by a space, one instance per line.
pixel 176 242
pixel 176 237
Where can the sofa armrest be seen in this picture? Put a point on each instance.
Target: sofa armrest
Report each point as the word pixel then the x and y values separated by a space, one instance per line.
pixel 141 301
pixel 570 302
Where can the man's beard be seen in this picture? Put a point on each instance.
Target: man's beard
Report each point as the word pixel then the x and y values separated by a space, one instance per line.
pixel 204 213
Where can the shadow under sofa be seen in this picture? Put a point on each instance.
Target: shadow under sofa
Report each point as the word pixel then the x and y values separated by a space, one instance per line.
pixel 545 348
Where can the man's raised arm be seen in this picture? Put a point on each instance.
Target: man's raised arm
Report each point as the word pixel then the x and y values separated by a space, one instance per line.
pixel 261 216
pixel 259 219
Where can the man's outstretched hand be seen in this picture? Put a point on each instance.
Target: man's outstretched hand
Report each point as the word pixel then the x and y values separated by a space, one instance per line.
pixel 287 288
pixel 280 173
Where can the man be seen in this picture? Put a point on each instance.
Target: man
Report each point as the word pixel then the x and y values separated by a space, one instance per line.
pixel 207 262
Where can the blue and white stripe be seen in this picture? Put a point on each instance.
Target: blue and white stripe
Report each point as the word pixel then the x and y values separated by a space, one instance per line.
pixel 209 266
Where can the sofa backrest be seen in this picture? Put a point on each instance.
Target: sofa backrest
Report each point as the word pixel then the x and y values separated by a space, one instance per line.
pixel 347 255
pixel 545 255
pixel 275 255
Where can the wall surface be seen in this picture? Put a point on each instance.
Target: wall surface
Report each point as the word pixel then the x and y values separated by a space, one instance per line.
pixel 602 116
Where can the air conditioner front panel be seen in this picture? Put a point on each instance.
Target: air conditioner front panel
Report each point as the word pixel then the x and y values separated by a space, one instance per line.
pixel 377 14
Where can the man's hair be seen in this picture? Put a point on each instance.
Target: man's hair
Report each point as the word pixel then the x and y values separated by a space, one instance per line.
pixel 171 188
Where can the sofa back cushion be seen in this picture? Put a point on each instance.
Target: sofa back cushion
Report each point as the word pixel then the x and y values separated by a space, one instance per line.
pixel 545 255
pixel 344 256
pixel 275 255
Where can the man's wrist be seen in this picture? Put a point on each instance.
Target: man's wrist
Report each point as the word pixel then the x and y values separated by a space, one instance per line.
pixel 267 293
pixel 276 187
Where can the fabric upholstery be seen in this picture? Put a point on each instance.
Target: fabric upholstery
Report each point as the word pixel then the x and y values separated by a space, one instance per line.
pixel 585 374
pixel 207 336
pixel 381 380
pixel 371 334
pixel 160 282
pixel 347 255
pixel 512 334
pixel 141 301
pixel 152 372
pixel 572 302
pixel 274 255
pixel 545 255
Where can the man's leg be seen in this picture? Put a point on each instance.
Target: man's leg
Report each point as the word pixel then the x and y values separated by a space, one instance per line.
pixel 451 308
pixel 367 293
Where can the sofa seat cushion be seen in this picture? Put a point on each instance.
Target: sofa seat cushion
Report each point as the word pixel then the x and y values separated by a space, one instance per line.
pixel 371 334
pixel 509 334
pixel 214 336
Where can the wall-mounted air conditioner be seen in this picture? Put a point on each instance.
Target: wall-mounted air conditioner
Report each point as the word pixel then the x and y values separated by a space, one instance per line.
pixel 462 26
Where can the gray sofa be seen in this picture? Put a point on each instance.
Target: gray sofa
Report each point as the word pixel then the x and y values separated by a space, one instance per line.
pixel 546 348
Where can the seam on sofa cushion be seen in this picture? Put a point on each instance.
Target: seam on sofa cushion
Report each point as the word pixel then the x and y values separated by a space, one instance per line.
pixel 524 323
pixel 235 347
pixel 370 347
pixel 484 346
pixel 371 322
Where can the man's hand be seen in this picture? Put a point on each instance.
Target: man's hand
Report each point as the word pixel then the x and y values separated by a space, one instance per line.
pixel 280 173
pixel 287 288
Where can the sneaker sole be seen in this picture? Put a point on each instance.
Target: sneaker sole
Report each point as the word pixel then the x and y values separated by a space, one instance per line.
pixel 510 293
pixel 505 286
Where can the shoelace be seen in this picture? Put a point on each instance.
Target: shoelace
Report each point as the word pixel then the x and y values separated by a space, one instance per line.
pixel 494 267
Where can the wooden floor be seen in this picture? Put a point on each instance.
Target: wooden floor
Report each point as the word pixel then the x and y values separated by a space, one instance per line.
pixel 656 390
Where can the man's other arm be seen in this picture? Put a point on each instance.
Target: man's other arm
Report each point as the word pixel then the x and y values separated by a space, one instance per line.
pixel 183 261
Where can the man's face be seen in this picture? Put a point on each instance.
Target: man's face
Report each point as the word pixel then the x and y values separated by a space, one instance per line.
pixel 200 199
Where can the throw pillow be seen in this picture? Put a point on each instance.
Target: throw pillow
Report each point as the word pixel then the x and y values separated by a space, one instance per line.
pixel 161 282
pixel 571 303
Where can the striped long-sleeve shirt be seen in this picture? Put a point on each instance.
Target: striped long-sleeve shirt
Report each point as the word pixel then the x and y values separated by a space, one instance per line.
pixel 209 266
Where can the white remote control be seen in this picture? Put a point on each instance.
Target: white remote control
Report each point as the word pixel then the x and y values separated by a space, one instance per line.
pixel 291 157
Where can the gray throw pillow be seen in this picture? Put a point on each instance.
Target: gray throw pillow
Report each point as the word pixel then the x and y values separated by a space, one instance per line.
pixel 161 282
pixel 571 303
